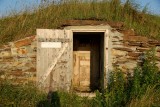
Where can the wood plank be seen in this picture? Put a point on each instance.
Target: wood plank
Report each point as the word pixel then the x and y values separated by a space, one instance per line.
pixel 61 74
pixel 75 70
pixel 53 39
pixel 48 71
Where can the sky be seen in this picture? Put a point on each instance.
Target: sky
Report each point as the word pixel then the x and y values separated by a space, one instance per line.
pixel 153 5
pixel 10 6
pixel 6 6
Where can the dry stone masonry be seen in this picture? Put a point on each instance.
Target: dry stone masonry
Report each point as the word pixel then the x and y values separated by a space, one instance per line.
pixel 128 49
pixel 18 60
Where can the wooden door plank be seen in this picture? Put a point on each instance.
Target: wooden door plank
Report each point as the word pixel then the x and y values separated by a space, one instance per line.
pixel 48 71
pixel 61 77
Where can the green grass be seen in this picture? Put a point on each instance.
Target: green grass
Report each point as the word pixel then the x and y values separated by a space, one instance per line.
pixel 29 96
pixel 19 95
pixel 51 16
pixel 149 99
pixel 140 90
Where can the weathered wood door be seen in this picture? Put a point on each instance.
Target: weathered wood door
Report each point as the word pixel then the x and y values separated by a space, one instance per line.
pixel 81 73
pixel 54 51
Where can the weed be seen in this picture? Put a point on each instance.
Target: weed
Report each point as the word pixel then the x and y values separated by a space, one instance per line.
pixel 142 89
pixel 52 15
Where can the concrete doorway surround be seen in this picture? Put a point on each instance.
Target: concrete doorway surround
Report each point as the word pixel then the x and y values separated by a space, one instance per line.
pixel 90 57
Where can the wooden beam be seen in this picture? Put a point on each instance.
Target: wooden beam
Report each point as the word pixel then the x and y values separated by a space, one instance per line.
pixel 49 70
pixel 53 40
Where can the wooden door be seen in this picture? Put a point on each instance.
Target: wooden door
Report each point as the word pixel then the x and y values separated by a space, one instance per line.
pixel 54 59
pixel 81 73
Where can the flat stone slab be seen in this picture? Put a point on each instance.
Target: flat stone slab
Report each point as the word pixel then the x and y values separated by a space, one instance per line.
pixel 91 22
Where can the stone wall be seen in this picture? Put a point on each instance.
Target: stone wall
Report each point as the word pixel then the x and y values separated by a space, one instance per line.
pixel 18 60
pixel 128 48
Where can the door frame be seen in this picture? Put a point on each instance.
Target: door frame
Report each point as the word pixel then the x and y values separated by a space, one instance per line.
pixel 106 53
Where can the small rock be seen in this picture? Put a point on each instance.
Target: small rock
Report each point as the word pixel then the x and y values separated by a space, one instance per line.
pixel 123 49
pixel 118 52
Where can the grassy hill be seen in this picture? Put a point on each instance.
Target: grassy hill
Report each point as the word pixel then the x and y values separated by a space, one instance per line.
pixel 140 90
pixel 52 15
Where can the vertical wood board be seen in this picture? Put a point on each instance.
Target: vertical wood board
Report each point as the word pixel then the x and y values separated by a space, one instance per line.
pixel 46 56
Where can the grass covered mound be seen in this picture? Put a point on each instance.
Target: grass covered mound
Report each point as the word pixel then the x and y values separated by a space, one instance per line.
pixel 51 16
